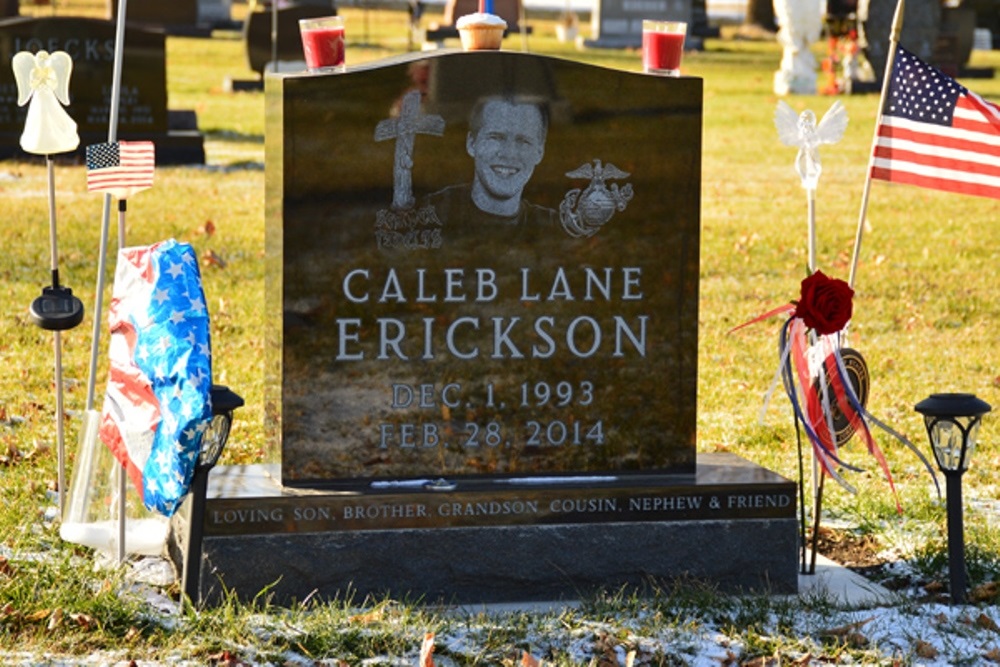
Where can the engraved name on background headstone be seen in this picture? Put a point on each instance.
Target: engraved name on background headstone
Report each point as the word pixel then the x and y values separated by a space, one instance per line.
pixel 486 272
pixel 143 112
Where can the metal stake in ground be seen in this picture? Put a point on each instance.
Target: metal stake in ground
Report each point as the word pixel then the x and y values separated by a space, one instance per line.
pixel 57 310
pixel 801 131
pixel 43 79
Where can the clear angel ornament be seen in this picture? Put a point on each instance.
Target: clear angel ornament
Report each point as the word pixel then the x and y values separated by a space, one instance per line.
pixel 802 132
pixel 43 78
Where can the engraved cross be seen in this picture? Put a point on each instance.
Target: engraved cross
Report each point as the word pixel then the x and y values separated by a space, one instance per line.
pixel 404 129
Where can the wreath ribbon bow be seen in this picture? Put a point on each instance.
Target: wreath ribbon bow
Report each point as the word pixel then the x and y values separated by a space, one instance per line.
pixel 816 381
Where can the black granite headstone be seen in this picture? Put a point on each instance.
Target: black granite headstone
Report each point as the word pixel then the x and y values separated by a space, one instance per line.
pixel 921 21
pixel 143 113
pixel 423 338
pixel 482 311
pixel 258 32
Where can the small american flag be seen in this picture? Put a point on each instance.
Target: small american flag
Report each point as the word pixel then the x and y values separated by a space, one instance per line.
pixel 935 133
pixel 121 168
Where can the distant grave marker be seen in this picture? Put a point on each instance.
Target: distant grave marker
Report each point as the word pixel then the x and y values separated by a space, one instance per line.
pixel 618 23
pixel 143 112
pixel 179 17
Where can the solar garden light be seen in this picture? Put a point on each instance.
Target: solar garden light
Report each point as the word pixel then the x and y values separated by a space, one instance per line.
pixel 952 422
pixel 224 403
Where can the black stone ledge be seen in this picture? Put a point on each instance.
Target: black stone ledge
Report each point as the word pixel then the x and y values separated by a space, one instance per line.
pixel 554 542
pixel 249 500
pixel 504 564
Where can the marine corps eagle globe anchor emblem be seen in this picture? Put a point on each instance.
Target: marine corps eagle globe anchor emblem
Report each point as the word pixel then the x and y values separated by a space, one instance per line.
pixel 583 213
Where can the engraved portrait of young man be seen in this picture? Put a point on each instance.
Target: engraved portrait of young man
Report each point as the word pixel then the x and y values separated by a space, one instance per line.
pixel 506 141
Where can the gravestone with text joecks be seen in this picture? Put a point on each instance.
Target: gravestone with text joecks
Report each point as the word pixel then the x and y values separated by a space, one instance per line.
pixel 143 113
pixel 472 410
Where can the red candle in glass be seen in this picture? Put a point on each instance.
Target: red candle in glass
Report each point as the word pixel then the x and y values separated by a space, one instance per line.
pixel 323 43
pixel 663 46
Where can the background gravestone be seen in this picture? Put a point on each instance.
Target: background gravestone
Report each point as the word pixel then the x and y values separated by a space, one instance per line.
pixel 178 17
pixel 921 24
pixel 258 33
pixel 478 408
pixel 143 113
pixel 618 23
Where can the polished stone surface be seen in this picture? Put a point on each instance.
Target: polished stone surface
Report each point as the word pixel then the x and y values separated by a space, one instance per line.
pixel 477 404
pixel 247 500
pixel 414 335
pixel 734 525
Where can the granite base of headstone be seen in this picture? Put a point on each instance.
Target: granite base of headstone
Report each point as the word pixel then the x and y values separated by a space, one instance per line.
pixel 143 114
pixel 482 278
pixel 733 527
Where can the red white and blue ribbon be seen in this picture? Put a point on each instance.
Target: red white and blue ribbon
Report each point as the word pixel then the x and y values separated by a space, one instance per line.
pixel 816 382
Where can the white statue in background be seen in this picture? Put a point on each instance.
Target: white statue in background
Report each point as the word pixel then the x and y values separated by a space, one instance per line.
pixel 43 78
pixel 801 24
pixel 801 131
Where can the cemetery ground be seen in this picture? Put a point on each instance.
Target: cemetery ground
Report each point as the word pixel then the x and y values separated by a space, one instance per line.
pixel 926 319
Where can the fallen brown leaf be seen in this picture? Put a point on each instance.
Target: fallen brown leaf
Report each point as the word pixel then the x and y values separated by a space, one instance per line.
pixel 86 621
pixel 211 258
pixel 985 592
pixel 993 655
pixel 427 651
pixel 55 620
pixel 37 616
pixel 226 659
pixel 12 456
pixel 728 660
pixel 926 650
pixel 6 569
pixel 934 587
pixel 987 623
pixel 844 630
pixel 373 616
pixel 762 661
pixel 206 229
pixel 528 660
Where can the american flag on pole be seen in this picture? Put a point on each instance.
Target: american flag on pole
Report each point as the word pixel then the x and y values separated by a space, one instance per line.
pixel 158 402
pixel 935 133
pixel 121 168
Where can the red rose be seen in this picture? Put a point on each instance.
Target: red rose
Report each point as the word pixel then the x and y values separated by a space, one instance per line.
pixel 825 304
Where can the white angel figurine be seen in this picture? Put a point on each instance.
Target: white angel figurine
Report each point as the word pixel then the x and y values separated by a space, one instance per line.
pixel 801 131
pixel 44 79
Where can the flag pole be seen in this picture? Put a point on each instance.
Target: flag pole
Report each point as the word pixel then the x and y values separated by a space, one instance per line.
pixel 897 27
pixel 102 265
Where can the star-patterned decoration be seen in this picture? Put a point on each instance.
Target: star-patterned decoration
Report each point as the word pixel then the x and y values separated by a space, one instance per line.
pixel 158 403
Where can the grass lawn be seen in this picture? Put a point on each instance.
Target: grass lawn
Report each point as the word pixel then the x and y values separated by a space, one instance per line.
pixel 925 315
